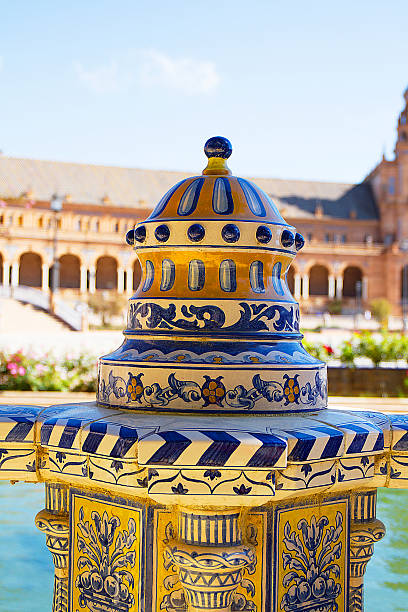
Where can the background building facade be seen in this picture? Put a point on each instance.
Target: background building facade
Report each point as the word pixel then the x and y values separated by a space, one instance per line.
pixel 356 235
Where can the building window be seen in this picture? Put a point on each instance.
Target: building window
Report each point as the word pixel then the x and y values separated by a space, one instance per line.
pixel 96 226
pixel 391 185
pixel 327 238
pixel 20 221
pixel 309 237
pixel 343 238
pixel 40 222
pixel 78 225
pixel 1 219
pixel 116 227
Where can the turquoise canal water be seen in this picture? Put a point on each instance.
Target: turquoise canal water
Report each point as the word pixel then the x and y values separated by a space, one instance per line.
pixel 26 572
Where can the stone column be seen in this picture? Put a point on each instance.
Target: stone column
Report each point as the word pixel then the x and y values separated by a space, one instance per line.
pixel 365 531
pixel 15 268
pixel 129 280
pixel 364 288
pixel 6 273
pixel 54 522
pixel 83 279
pixel 92 279
pixel 305 286
pixel 209 558
pixel 297 286
pixel 121 280
pixel 331 290
pixel 45 277
pixel 339 287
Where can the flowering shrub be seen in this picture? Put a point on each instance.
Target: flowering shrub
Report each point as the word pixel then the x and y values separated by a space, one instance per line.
pixel 25 371
pixel 378 348
pixel 320 351
pixel 21 371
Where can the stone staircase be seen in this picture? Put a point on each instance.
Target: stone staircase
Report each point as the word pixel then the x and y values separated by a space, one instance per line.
pixel 18 317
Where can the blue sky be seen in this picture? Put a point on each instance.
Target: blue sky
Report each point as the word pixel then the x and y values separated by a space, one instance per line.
pixel 307 90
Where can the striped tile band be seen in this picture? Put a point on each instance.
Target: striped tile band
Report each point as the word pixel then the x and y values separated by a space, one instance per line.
pixel 363 508
pixel 56 498
pixel 213 530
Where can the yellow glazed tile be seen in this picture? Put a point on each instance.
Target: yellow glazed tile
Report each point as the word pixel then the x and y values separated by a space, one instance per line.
pixel 311 557
pixel 167 590
pixel 106 552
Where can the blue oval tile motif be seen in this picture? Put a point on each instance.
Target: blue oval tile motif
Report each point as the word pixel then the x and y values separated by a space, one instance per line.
pixel 276 278
pixel 263 234
pixel 256 277
pixel 274 207
pixel 252 197
pixel 196 275
pixel 149 275
pixel 168 275
pixel 228 275
pixel 188 202
pixel 196 232
pixel 165 200
pixel 162 233
pixel 222 201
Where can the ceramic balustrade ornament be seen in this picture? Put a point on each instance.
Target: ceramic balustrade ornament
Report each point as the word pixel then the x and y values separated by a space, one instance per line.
pixel 209 474
pixel 213 300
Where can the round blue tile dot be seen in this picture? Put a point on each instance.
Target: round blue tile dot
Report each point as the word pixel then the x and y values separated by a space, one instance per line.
pixel 287 238
pixel 140 233
pixel 263 234
pixel 162 233
pixel 196 232
pixel 130 237
pixel 230 233
pixel 299 242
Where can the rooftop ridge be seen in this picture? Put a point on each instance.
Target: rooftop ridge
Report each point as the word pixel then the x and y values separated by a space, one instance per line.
pixel 187 173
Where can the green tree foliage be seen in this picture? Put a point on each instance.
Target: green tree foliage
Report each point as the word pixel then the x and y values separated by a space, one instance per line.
pixel 381 310
pixel 107 304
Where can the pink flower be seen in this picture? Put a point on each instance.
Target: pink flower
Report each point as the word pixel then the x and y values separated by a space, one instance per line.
pixel 21 371
pixel 40 368
pixel 13 371
pixel 11 365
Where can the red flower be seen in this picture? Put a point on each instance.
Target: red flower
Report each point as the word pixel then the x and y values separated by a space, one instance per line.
pixel 328 349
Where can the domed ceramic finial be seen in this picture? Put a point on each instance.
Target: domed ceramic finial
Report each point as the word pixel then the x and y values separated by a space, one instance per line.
pixel 218 149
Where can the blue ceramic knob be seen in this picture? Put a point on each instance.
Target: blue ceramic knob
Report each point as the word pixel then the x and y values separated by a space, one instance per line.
pixel 162 233
pixel 287 238
pixel 130 237
pixel 196 232
pixel 299 242
pixel 218 146
pixel 263 234
pixel 230 233
pixel 140 233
